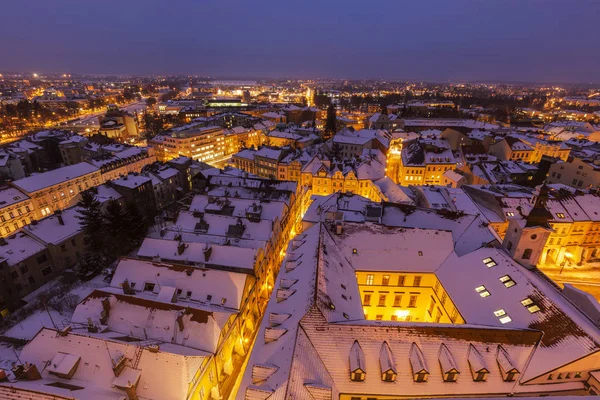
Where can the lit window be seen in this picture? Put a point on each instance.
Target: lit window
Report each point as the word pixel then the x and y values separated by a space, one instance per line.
pixel 483 292
pixel 417 281
pixel 507 281
pixel 526 302
pixel 385 280
pixel 560 215
pixel 369 280
pixel 499 313
pixel 510 214
pixel 530 305
pixel 489 262
pixel 506 319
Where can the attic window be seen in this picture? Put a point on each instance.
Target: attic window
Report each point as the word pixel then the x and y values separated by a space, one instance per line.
pixel 530 305
pixel 489 262
pixel 510 214
pixel 499 313
pixel 483 292
pixel 354 251
pixel 560 215
pixel 507 281
pixel 357 376
pixel 223 300
pixel 420 253
pixel 149 287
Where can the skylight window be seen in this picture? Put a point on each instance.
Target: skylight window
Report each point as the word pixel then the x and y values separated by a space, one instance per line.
pixel 510 214
pixel 507 281
pixel 483 292
pixel 530 305
pixel 560 215
pixel 502 316
pixel 499 313
pixel 489 262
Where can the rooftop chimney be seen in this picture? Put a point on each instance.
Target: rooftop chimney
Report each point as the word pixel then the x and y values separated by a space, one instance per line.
pixel 59 216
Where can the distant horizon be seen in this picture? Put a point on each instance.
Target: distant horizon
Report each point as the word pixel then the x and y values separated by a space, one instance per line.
pixel 528 41
pixel 279 78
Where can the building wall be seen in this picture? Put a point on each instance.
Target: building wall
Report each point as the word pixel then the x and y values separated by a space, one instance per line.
pixel 576 174
pixel 60 196
pixel 127 166
pixel 405 297
pixel 16 216
pixel 23 278
pixel 66 253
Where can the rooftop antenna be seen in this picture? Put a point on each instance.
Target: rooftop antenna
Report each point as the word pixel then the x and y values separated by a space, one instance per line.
pixel 50 315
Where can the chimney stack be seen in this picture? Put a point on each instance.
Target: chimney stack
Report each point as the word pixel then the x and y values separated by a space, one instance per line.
pixel 58 214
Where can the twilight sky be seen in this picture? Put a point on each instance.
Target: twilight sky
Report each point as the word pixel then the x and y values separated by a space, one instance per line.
pixel 510 40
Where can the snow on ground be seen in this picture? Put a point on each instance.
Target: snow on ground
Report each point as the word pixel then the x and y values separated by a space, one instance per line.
pixel 585 277
pixel 31 325
pixel 27 328
pixel 7 356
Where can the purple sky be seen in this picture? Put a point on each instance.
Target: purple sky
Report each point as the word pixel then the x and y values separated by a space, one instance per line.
pixel 510 40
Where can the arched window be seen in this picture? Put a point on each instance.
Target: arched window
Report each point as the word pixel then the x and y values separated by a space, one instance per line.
pixel 526 254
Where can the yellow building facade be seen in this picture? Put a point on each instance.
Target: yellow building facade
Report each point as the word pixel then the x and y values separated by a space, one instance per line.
pixel 399 296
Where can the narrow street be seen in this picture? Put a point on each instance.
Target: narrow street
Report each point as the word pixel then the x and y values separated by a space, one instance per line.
pixel 585 277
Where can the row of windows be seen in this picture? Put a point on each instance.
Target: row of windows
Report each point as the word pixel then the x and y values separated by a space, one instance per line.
pixel 385 280
pixel 11 214
pixel 8 229
pixel 412 301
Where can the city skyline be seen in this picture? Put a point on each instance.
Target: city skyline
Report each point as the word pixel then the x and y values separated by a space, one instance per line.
pixel 526 41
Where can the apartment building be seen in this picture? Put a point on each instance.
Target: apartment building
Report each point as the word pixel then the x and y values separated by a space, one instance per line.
pixel 16 210
pixel 56 189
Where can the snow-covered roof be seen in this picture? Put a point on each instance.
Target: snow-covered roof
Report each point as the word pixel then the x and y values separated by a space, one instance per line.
pixel 314 333
pixel 240 207
pixel 131 181
pixel 94 378
pixel 417 250
pixel 43 180
pixel 206 286
pixel 198 326
pixel 219 225
pixel 56 228
pixel 19 247
pixel 10 195
pixel 208 255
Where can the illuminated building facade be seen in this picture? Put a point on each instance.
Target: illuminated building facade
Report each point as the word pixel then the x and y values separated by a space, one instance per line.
pixel 423 162
pixel 330 350
pixel 55 190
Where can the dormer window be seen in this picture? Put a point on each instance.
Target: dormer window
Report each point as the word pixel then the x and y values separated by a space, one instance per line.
pixel 149 287
pixel 418 364
pixel 479 371
pixel 388 365
pixel 447 364
pixel 357 363
pixel 357 376
pixel 507 366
